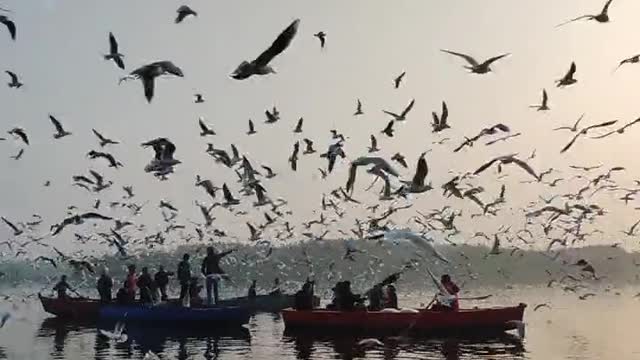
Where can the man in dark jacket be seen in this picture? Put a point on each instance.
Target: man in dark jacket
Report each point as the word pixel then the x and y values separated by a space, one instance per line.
pixel 211 269
pixel 145 283
pixel 162 281
pixel 184 276
pixel 105 286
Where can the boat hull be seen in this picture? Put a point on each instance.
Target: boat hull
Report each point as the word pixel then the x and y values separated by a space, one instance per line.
pixel 424 322
pixel 176 315
pixel 76 309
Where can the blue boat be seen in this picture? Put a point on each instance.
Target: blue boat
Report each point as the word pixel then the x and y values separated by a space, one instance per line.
pixel 177 315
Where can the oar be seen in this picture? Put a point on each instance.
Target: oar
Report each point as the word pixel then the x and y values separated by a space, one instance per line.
pixel 476 297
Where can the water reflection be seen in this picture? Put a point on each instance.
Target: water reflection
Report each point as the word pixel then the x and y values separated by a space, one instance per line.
pixel 346 347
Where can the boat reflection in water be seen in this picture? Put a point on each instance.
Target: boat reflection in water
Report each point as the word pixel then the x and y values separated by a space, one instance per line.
pixel 306 344
pixel 142 339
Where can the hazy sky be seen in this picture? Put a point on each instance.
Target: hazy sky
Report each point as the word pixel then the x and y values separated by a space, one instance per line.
pixel 58 54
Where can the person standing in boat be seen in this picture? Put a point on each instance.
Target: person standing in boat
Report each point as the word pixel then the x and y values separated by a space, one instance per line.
pixel 184 276
pixel 162 281
pixel 376 297
pixel 211 269
pixel 391 298
pixel 304 297
pixel 61 288
pixel 252 290
pixel 131 283
pixel 105 286
pixel 145 283
pixel 276 288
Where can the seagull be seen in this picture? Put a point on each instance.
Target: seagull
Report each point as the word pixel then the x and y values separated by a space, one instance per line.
pixel 252 129
pixel 358 108
pixel 398 80
pixel 404 113
pixel 298 128
pixel 270 173
pixel 293 159
pixel 110 158
pixel 619 131
pixel 370 343
pixel 495 248
pixel 374 144
pixel 584 131
pixel 476 67
pixel 116 334
pixel 163 160
pixel 103 140
pixel 417 184
pixel 260 66
pixel 389 129
pixel 167 205
pixel 539 306
pixel 60 131
pixel 506 160
pixel 77 220
pixel 378 164
pixel 198 99
pixel 228 197
pixel 113 52
pixel 399 158
pixel 15 82
pixel 332 154
pixel 632 229
pixel 19 132
pixel 397 235
pixel 440 123
pixel 184 11
pixel 271 117
pixel 11 26
pixel 18 156
pixel 148 73
pixel 308 147
pixel 632 60
pixel 255 234
pixel 208 186
pixel 322 37
pixel 16 231
pixel 568 78
pixel 603 17
pixel 545 100
pixel 204 129
pixel 573 128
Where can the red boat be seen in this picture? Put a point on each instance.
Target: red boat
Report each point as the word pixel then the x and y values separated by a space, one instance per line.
pixel 422 322
pixel 71 308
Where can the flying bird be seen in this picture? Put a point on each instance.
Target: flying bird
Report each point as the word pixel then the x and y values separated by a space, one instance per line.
pixel 544 105
pixel 228 197
pixel 18 156
pixel 399 158
pixel 260 66
pixel 584 131
pixel 378 164
pixel 506 160
pixel 308 147
pixel 298 128
pixel 15 82
pixel 602 17
pixel 332 154
pixel 398 80
pixel 184 11
pixel 322 37
pixel 110 158
pixel 271 117
pixel 198 98
pixel 19 132
pixel 374 143
pixel 16 230
pixel 270 173
pixel 389 129
pixel 632 60
pixel 204 129
pixel 148 74
pixel 568 78
pixel 417 184
pixel 573 128
pixel 619 131
pixel 475 67
pixel 163 161
pixel 252 129
pixel 11 26
pixel 403 115
pixel 293 159
pixel 114 54
pixel 103 140
pixel 440 122
pixel 60 131
pixel 77 220
pixel 358 108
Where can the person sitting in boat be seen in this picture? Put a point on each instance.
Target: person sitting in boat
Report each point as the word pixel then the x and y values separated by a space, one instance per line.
pixel 345 299
pixel 184 276
pixel 376 297
pixel 131 283
pixel 391 298
pixel 105 286
pixel 213 272
pixel 161 278
pixel 61 288
pixel 194 292
pixel 144 283
pixel 276 287
pixel 449 300
pixel 304 297
pixel 122 296
pixel 252 290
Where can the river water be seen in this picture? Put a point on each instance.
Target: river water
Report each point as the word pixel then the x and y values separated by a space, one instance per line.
pixel 600 327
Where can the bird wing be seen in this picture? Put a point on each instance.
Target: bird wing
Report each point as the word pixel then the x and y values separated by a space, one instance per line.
pixel 485 166
pixel 421 172
pixel 113 44
pixel 374 142
pixel 445 114
pixel 279 45
pixel 570 144
pixel 56 124
pixel 92 215
pixel 545 97
pixel 251 128
pixel 9 224
pixel 168 150
pixel 227 194
pixel 605 9
pixel 148 84
pixel 574 19
pixel 119 62
pixel 468 58
pixel 605 135
pixel 389 128
pixel 596 126
pixel 526 167
pixel 203 126
pixel 493 59
pixel 14 77
pixel 391 113
pixel 408 108
pixel 572 70
pixel 98 135
pixel 11 26
pixel 352 177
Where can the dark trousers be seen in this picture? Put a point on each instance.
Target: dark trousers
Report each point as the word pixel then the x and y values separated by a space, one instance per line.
pixel 184 290
pixel 212 284
pixel 163 292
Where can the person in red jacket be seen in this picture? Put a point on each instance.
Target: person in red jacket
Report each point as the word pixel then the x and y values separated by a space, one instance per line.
pixel 452 290
pixel 131 283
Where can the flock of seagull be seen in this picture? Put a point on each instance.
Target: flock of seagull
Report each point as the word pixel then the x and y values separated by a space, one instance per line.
pixel 561 220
